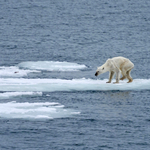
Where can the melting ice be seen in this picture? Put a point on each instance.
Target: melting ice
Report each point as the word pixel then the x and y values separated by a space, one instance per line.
pixel 51 85
pixel 24 68
pixel 45 110
pixel 14 71
pixel 6 95
pixel 52 66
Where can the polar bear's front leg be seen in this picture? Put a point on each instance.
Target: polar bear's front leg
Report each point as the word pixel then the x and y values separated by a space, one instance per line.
pixel 111 74
pixel 117 76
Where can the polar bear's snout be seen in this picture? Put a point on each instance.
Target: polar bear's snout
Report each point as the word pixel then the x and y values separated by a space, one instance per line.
pixel 100 70
pixel 97 72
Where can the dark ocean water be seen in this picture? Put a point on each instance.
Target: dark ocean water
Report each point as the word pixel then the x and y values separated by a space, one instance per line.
pixel 49 96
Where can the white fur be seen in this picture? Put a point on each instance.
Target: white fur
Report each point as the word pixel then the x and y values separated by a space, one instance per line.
pixel 116 65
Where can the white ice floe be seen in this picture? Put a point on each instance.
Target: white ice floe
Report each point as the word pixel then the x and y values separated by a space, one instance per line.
pixel 6 95
pixel 24 68
pixel 52 66
pixel 14 72
pixel 45 110
pixel 51 85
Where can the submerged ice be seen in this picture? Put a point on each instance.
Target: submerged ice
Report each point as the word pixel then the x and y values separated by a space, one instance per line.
pixel 5 95
pixel 52 66
pixel 24 68
pixel 14 72
pixel 45 110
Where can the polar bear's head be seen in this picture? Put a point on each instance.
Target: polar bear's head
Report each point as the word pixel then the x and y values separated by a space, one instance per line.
pixel 104 68
pixel 101 69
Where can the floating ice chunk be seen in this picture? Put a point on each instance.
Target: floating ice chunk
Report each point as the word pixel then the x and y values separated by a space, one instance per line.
pixel 6 95
pixel 51 85
pixel 27 110
pixel 14 71
pixel 52 66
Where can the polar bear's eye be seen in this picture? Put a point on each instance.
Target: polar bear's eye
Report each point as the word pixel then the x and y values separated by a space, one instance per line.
pixel 103 68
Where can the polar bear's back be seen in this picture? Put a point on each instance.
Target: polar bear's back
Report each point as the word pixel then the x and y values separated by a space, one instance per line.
pixel 119 58
pixel 120 61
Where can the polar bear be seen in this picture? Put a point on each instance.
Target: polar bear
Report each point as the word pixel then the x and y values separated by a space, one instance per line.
pixel 116 65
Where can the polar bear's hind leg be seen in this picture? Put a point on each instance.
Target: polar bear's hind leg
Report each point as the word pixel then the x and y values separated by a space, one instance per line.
pixel 129 77
pixel 125 70
pixel 122 78
pixel 124 75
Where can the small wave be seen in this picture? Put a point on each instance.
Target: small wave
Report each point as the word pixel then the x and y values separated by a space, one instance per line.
pixel 6 95
pixel 46 110
pixel 51 85
pixel 52 66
